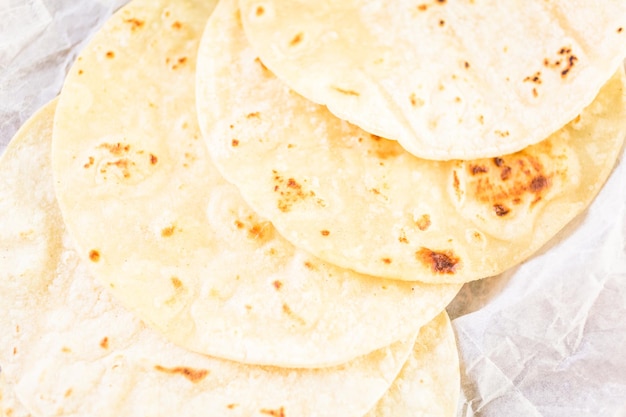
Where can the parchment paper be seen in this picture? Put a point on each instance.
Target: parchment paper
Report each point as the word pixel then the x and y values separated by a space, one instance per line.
pixel 547 338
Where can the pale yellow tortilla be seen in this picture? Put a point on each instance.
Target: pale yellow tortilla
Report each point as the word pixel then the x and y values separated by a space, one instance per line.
pixel 10 406
pixel 173 240
pixel 447 79
pixel 69 349
pixel 362 202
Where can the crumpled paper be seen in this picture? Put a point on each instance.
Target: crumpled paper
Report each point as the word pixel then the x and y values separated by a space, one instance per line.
pixel 546 338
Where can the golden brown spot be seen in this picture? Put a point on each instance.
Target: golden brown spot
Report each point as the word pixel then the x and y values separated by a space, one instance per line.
pixel 177 25
pixel 289 192
pixel 168 231
pixel 538 183
pixel 248 307
pixel 260 11
pixel 309 265
pixel 234 143
pixel 277 285
pixel 231 406
pixel 535 92
pixel 274 413
pixel 386 260
pixel 180 62
pixel 110 54
pixel 104 343
pixel 116 149
pixel 346 92
pixel 466 64
pixel 423 223
pixel 177 283
pixel 14 350
pixel 442 23
pixel 415 101
pixel 68 393
pixel 80 72
pixel 505 173
pixel 94 255
pixel 456 184
pixel 535 78
pixel 422 7
pixel 263 67
pixel 65 349
pixel 478 169
pixel 287 310
pixel 239 224
pixel 296 40
pixel 402 238
pixel 90 163
pixel 619 30
pixel 193 375
pixel 135 23
pixel 256 232
pixel 443 262
pixel 325 232
pixel 153 159
pixel 501 133
pixel 501 210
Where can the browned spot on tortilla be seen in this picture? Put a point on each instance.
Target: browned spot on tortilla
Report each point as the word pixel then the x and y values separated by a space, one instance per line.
pixel 287 310
pixel 277 284
pixel 415 101
pixel 81 72
pixel 501 210
pixel 94 255
pixel 423 223
pixel 168 231
pixel 193 375
pixel 310 265
pixel 289 192
pixel 116 149
pixel 456 184
pixel 239 224
pixel 535 78
pixel 387 260
pixel 104 343
pixel 90 163
pixel 442 22
pixel 181 61
pixel 478 169
pixel 234 143
pixel 231 406
pixel 325 232
pixel 346 92
pixel 402 238
pixel 296 39
pixel 65 349
pixel 260 11
pixel 256 114
pixel 274 413
pixel 135 24
pixel 110 54
pixel 440 262
pixel 177 283
pixel 68 393
pixel 422 7
pixel 564 62
pixel 256 232
pixel 177 25
pixel 14 350
pixel 466 64
pixel 153 159
pixel 266 71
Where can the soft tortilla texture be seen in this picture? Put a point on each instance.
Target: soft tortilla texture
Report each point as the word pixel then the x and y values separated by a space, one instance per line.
pixel 447 79
pixel 427 384
pixel 173 241
pixel 10 406
pixel 69 349
pixel 362 202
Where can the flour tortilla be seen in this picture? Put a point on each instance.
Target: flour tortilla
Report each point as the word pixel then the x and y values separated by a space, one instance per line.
pixel 173 241
pixel 10 406
pixel 362 202
pixel 69 349
pixel 447 79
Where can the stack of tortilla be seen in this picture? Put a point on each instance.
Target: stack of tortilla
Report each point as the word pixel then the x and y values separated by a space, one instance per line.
pixel 189 229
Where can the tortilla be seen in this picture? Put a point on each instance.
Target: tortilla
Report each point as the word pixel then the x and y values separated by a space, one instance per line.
pixel 69 349
pixel 362 202
pixel 448 80
pixel 173 241
pixel 426 385
pixel 9 404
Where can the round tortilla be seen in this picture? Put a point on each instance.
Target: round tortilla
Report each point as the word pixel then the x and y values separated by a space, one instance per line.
pixel 173 241
pixel 447 79
pixel 69 349
pixel 362 202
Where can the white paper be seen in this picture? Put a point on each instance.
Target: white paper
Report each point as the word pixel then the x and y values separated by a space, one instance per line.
pixel 547 338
